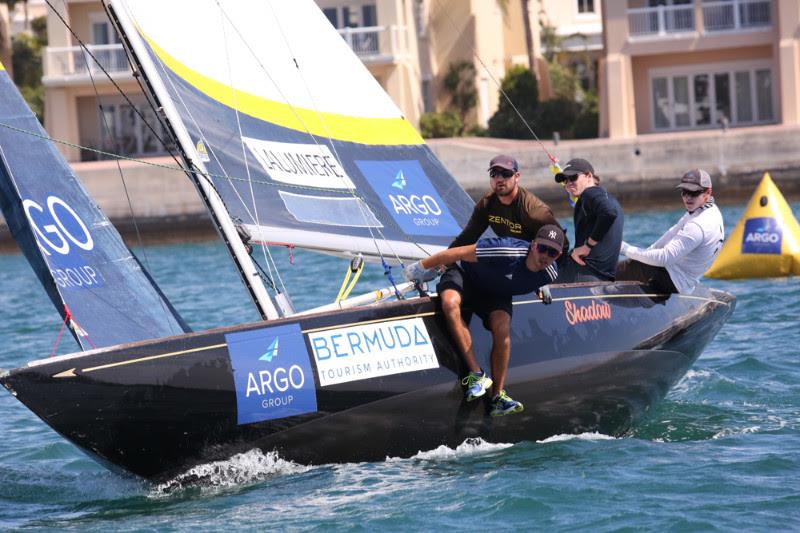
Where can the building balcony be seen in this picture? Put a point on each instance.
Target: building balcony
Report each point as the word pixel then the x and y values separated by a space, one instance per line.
pixel 718 16
pixel 661 20
pixel 736 15
pixel 377 44
pixel 74 63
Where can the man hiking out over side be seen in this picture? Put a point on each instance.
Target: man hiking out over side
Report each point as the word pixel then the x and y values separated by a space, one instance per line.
pixel 490 273
pixel 510 211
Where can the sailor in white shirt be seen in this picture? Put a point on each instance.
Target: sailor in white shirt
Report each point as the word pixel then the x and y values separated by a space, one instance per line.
pixel 677 260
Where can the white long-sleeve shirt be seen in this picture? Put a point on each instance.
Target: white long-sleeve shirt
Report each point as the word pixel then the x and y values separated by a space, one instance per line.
pixel 687 249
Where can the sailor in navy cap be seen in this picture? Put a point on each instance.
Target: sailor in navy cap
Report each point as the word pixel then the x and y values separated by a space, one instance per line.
pixel 598 222
pixel 490 273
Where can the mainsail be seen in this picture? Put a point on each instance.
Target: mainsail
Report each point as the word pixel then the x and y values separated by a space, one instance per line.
pixel 300 142
pixel 91 276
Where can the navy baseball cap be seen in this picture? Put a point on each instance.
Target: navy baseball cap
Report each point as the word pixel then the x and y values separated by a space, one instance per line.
pixel 550 235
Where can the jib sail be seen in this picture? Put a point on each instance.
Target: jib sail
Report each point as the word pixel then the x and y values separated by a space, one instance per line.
pixel 79 257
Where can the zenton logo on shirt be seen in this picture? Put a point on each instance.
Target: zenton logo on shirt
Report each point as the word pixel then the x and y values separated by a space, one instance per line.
pixel 372 350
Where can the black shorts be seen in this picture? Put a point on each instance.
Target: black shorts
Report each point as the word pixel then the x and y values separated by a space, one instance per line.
pixel 473 300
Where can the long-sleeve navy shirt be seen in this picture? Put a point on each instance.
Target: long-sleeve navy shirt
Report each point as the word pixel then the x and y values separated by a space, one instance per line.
pixel 598 215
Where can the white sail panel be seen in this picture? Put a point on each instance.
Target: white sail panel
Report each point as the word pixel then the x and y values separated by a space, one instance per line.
pixel 271 60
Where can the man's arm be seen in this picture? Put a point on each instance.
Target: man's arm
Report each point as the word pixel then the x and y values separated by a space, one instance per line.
pixel 681 244
pixel 450 256
pixel 476 225
pixel 605 216
pixel 669 234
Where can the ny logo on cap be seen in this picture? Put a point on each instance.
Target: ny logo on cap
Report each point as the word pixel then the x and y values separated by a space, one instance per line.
pixel 552 234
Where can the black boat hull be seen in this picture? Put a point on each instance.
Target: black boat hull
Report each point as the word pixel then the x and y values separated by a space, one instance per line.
pixel 595 360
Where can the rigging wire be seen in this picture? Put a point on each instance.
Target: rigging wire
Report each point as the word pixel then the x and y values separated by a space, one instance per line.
pixel 360 201
pixel 329 136
pixel 386 267
pixel 268 259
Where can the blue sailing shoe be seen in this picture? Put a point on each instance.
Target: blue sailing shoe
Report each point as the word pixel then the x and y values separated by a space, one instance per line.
pixel 477 383
pixel 503 404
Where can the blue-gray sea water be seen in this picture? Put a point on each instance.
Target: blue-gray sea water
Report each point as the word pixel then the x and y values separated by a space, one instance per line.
pixel 720 453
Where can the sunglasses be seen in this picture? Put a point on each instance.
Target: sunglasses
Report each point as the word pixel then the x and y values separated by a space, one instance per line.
pixel 551 252
pixel 572 178
pixel 498 173
pixel 692 194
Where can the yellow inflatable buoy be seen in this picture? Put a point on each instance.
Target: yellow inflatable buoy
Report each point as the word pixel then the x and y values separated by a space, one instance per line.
pixel 765 242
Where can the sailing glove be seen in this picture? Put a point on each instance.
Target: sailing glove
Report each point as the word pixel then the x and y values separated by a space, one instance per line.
pixel 544 295
pixel 416 272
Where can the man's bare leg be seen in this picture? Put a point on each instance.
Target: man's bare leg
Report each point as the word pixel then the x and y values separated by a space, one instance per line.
pixel 451 307
pixel 500 326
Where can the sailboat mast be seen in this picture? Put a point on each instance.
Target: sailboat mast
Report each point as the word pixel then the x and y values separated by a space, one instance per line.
pixel 196 170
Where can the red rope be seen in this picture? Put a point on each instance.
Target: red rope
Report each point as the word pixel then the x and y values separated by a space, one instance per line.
pixel 67 316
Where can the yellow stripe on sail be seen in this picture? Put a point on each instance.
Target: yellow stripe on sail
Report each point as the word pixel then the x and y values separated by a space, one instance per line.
pixel 375 131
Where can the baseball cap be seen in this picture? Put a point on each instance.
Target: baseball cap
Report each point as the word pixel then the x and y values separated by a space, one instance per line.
pixel 573 168
pixel 695 180
pixel 550 235
pixel 504 161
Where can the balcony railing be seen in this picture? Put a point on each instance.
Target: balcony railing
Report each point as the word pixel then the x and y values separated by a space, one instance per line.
pixel 736 14
pixel 376 42
pixel 661 20
pixel 75 61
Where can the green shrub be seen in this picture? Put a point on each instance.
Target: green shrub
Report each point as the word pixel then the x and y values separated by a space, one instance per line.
pixel 436 125
pixel 556 115
pixel 520 87
pixel 477 131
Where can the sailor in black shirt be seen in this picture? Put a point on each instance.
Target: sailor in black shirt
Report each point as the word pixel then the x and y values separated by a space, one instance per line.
pixel 598 226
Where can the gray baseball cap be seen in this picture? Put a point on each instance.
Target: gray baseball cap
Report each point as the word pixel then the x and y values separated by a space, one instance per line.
pixel 504 161
pixel 695 180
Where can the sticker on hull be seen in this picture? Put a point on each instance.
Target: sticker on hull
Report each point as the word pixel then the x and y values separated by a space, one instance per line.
pixel 272 373
pixel 372 350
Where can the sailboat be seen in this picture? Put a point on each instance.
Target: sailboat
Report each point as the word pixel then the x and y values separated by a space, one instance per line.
pixel 290 141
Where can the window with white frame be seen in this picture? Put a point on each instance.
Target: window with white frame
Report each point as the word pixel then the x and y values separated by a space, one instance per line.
pixel 122 130
pixel 585 6
pixel 711 97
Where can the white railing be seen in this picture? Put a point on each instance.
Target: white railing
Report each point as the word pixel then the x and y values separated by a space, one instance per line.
pixel 75 61
pixel 736 14
pixel 660 20
pixel 372 42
